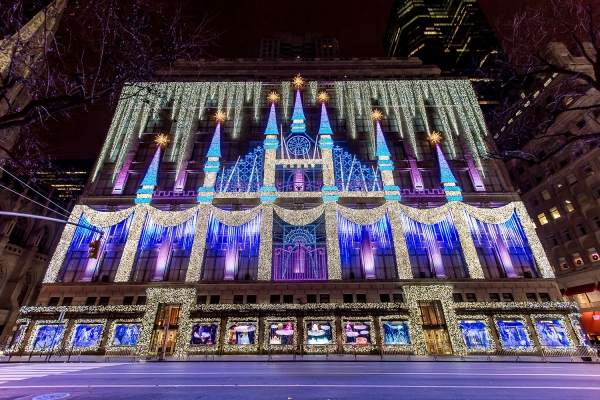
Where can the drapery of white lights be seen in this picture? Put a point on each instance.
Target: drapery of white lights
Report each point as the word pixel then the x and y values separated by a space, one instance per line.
pixel 312 85
pixel 235 218
pixel 334 261
pixel 62 248
pixel 285 97
pixel 400 247
pixel 299 217
pixel 534 241
pixel 363 216
pixel 265 254
pixel 466 241
pixel 427 216
pixel 171 218
pixel 491 215
pixel 105 219
pixel 131 246
pixel 197 254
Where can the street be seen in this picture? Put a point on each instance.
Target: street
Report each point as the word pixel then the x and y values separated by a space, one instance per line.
pixel 300 380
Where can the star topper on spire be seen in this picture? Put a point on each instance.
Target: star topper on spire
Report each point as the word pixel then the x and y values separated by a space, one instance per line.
pixel 435 137
pixel 298 81
pixel 323 97
pixel 376 115
pixel 220 116
pixel 273 97
pixel 161 139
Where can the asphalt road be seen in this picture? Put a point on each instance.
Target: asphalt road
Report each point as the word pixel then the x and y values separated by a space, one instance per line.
pixel 300 380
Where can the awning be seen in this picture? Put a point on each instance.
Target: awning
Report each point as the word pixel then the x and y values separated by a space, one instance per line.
pixel 591 324
pixel 590 287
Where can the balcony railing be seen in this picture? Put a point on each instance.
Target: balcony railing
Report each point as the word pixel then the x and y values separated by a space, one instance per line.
pixel 310 186
pixel 299 263
pixel 359 186
pixel 239 187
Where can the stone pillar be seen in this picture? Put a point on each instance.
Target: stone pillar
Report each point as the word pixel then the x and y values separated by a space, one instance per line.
pixel 131 246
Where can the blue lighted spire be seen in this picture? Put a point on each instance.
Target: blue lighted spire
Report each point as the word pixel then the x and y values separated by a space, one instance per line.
pixel 151 174
pixel 324 127
pixel 298 110
pixel 382 148
pixel 215 145
pixel 445 171
pixel 272 123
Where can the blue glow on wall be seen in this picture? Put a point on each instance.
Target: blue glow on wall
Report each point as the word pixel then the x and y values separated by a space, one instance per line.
pixel 117 233
pixel 425 235
pixel 446 173
pixel 150 179
pixel 324 126
pixel 246 235
pixel 215 145
pixel 272 122
pixel 350 234
pixel 180 236
pixel 352 175
pixel 511 232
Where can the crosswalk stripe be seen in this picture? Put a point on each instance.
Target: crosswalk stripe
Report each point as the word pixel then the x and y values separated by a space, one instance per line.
pixel 10 373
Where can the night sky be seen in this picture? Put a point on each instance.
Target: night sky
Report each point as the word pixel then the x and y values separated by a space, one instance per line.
pixel 358 25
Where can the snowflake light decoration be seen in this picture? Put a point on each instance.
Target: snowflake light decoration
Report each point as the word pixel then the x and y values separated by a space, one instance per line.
pixel 220 116
pixel 435 137
pixel 298 81
pixel 273 97
pixel 376 115
pixel 323 97
pixel 161 140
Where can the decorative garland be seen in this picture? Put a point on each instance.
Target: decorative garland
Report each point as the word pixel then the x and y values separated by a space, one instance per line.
pixel 299 217
pixel 362 216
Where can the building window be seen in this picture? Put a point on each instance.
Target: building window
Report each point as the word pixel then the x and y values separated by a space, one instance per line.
pixel 251 299
pixel 531 297
pixel 288 298
pixel 312 298
pixel 238 299
pixel 471 297
pixel 201 299
pixel 542 218
pixel 507 297
pixel 535 202
pixel 583 199
pixel 552 240
pixel 595 223
pixel 565 235
pixel 587 170
pixel 563 263
pixel 348 297
pixel 127 300
pixel 546 195
pixel 215 299
pixel 384 297
pixel 555 213
pixel 572 179
pixel 54 301
pixel 104 301
pixel 558 186
pixel 569 206
pixel 596 191
pixel 397 297
pixel 324 298
pixel 361 298
pixel 275 299
pixel 544 297
pixel 457 297
pixel 580 230
pixel 494 296
pixel 90 301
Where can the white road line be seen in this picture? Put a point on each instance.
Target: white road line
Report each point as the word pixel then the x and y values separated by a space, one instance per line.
pixel 305 385
pixel 9 373
pixel 276 373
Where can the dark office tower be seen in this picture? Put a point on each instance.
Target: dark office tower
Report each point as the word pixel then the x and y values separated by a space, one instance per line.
pixel 452 34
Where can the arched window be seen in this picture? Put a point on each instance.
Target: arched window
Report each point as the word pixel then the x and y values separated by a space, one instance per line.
pixel 17 233
pixel 27 284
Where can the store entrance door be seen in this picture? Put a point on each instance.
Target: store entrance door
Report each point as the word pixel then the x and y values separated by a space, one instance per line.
pixel 164 335
pixel 436 335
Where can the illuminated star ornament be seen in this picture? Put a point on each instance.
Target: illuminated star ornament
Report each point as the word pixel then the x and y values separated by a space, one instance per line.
pixel 376 115
pixel 435 137
pixel 323 97
pixel 298 81
pixel 161 139
pixel 220 116
pixel 273 97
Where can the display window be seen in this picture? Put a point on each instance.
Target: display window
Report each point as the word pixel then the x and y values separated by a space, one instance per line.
pixel 319 335
pixel 124 333
pixel 47 336
pixel 514 333
pixel 204 333
pixel 280 333
pixel 395 332
pixel 18 337
pixel 357 333
pixel 576 323
pixel 552 331
pixel 242 335
pixel 86 335
pixel 476 333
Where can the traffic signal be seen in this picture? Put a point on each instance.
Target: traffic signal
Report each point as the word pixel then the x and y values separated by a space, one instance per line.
pixel 94 249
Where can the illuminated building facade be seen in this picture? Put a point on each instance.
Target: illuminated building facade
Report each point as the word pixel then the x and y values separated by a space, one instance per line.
pixel 336 212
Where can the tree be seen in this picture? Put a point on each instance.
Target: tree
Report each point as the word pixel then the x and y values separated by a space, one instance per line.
pixel 100 47
pixel 546 87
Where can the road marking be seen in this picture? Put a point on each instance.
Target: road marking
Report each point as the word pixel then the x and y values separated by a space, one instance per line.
pixel 173 386
pixel 19 372
pixel 275 373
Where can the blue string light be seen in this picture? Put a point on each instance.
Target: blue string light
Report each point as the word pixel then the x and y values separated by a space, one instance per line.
pixel 382 147
pixel 324 126
pixel 446 172
pixel 215 145
pixel 180 236
pixel 272 123
pixel 298 110
pixel 150 179
pixel 350 234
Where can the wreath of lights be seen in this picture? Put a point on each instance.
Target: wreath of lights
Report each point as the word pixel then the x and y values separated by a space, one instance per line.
pixel 113 330
pixel 200 349
pixel 515 317
pixel 488 331
pixel 15 347
pixel 443 293
pixel 298 145
pixel 57 341
pixel 563 323
pixel 390 318
pixel 267 321
pixel 319 348
pixel 78 322
pixel 241 348
pixel 349 348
